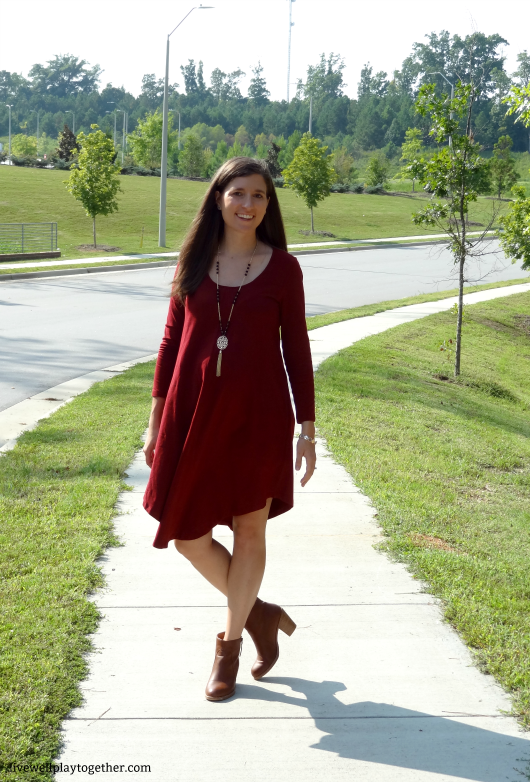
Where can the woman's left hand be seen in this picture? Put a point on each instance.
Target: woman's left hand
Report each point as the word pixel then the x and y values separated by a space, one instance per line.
pixel 305 450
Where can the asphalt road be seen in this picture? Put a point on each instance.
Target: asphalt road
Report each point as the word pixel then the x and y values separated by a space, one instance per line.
pixel 55 329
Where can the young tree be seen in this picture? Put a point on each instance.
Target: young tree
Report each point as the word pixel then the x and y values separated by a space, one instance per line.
pixel 343 166
pixel 502 165
pixel 191 159
pixel 456 174
pixel 24 146
pixel 146 141
pixel 377 171
pixel 412 150
pixel 272 160
pixel 515 237
pixel 96 180
pixel 67 144
pixel 310 173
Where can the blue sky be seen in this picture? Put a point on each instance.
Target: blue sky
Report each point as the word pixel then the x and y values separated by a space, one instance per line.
pixel 127 37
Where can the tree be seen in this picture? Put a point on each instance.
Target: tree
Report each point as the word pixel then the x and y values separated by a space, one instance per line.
pixel 65 75
pixel 257 91
pixel 323 80
pixel 502 165
pixel 412 151
pixel 272 160
pixel 191 158
pixel 96 180
pixel 67 144
pixel 515 237
pixel 24 146
pixel 377 171
pixel 224 86
pixel 343 166
pixel 456 174
pixel 310 173
pixel 193 78
pixel 518 99
pixel 146 141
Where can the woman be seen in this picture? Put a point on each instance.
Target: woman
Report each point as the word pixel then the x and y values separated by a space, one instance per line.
pixel 221 427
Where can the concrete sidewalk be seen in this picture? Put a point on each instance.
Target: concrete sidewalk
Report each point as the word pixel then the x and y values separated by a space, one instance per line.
pixel 372 686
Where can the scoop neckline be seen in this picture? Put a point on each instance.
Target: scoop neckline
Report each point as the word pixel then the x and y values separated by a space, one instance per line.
pixel 246 283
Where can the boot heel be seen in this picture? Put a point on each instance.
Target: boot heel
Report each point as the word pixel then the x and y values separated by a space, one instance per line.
pixel 286 624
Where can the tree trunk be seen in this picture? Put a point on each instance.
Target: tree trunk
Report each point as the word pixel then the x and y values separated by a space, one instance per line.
pixel 94 230
pixel 312 223
pixel 413 185
pixel 460 313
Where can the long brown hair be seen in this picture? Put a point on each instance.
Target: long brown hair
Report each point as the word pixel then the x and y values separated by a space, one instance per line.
pixel 207 229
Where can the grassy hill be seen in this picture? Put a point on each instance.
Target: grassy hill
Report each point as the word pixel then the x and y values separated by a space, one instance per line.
pixel 36 195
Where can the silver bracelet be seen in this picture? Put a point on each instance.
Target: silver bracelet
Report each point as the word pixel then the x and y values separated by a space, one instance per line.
pixel 306 437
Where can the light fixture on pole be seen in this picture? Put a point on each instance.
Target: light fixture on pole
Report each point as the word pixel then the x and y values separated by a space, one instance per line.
pixel 291 24
pixel 37 112
pixel 69 111
pixel 9 106
pixel 439 73
pixel 163 162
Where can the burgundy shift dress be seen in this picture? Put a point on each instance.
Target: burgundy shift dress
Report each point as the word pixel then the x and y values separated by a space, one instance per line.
pixel 225 443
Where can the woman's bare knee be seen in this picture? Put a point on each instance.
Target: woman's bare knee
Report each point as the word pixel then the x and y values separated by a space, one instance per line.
pixel 193 549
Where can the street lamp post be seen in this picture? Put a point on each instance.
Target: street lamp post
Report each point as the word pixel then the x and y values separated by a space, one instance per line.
pixel 291 24
pixel 310 113
pixel 69 111
pixel 34 111
pixel 9 106
pixel 123 138
pixel 179 131
pixel 113 102
pixel 439 73
pixel 163 162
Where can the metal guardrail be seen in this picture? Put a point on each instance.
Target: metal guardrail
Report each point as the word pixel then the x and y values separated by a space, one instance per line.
pixel 27 237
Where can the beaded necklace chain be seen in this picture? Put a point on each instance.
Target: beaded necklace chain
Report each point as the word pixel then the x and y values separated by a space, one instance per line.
pixel 222 341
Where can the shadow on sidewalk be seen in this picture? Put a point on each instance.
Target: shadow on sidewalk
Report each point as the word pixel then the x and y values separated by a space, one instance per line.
pixel 393 736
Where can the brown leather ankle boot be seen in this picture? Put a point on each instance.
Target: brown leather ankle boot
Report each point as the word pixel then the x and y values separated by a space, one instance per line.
pixel 222 682
pixel 263 623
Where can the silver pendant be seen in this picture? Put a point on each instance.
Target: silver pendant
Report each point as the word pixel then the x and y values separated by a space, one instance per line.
pixel 222 342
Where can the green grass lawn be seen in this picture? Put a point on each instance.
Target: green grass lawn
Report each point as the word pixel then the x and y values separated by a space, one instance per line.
pixel 446 463
pixel 316 321
pixel 36 195
pixel 58 489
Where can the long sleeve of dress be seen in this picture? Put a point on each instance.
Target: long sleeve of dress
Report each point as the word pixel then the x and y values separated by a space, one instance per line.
pixel 169 348
pixel 295 345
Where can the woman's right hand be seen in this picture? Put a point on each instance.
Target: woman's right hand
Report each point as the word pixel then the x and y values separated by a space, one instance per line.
pixel 150 445
pixel 155 420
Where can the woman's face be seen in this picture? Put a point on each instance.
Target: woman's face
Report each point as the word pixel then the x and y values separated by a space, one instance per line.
pixel 244 202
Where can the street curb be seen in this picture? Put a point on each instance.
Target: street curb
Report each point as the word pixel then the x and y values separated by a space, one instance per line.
pixel 173 261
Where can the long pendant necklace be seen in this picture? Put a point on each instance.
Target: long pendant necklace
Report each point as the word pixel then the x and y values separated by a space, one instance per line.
pixel 222 341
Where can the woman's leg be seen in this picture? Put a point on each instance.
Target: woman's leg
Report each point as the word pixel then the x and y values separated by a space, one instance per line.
pixel 246 569
pixel 209 557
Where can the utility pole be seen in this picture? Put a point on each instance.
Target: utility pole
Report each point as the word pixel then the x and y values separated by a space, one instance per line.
pixel 291 24
pixel 9 106
pixel 179 131
pixel 163 162
pixel 123 137
pixel 310 113
pixel 113 103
